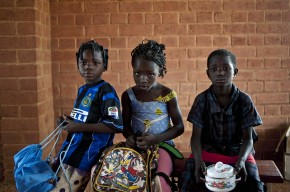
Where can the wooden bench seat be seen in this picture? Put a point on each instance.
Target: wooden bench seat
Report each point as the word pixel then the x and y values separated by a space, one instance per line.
pixel 268 171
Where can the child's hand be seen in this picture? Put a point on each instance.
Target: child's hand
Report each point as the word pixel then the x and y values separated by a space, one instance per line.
pixel 240 168
pixel 71 125
pixel 130 141
pixel 145 140
pixel 59 120
pixel 200 168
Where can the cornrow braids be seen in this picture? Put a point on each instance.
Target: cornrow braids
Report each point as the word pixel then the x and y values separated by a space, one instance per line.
pixel 151 51
pixel 93 46
pixel 223 52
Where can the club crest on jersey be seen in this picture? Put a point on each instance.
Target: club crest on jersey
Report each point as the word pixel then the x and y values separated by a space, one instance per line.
pixel 86 102
pixel 113 111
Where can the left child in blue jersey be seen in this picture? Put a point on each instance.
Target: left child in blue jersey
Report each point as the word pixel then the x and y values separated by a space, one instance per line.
pixel 94 120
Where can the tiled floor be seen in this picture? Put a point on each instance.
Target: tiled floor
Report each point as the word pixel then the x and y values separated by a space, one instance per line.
pixel 281 187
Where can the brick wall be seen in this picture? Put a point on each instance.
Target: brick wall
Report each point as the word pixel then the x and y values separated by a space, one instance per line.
pixel 257 31
pixel 25 77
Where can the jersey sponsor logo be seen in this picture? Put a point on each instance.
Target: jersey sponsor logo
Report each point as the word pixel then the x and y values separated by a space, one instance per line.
pixel 113 111
pixel 86 102
pixel 79 114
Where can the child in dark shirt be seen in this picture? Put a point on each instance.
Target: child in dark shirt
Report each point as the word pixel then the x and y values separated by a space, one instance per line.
pixel 223 118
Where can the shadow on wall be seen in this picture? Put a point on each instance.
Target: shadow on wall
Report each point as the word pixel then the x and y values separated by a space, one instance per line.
pixel 1 172
pixel 268 142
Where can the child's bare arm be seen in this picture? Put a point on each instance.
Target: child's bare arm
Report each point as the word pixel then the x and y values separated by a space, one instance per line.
pixel 126 114
pixel 88 127
pixel 175 114
pixel 245 150
pixel 195 143
pixel 176 117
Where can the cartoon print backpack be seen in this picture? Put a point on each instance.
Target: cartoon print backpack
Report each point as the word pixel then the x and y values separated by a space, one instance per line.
pixel 125 169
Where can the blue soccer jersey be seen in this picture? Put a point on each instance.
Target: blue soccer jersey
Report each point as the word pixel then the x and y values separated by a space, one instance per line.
pixel 95 103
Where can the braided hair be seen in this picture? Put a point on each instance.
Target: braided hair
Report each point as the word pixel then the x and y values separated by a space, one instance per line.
pixel 151 51
pixel 223 52
pixel 93 46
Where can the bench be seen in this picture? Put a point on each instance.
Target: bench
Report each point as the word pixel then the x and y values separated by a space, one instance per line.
pixel 268 171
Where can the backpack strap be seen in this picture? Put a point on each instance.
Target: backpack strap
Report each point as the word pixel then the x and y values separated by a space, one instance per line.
pixel 168 181
pixel 173 152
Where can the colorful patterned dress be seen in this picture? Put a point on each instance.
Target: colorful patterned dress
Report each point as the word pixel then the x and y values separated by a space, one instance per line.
pixel 152 116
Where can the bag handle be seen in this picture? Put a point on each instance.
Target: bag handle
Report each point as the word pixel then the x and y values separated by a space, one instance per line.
pixel 52 135
pixel 61 158
pixel 56 133
pixel 63 154
pixel 54 145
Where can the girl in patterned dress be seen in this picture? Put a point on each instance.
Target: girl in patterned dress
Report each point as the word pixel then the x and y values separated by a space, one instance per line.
pixel 151 113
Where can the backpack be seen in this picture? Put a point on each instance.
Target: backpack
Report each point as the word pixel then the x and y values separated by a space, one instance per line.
pixel 31 172
pixel 125 169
